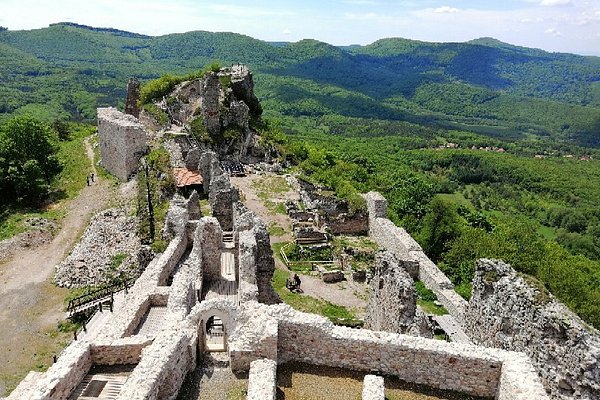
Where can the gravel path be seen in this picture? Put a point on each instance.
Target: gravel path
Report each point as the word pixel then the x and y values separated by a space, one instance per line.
pixel 30 306
pixel 347 294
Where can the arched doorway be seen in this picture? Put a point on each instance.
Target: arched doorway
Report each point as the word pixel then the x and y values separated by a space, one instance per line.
pixel 215 333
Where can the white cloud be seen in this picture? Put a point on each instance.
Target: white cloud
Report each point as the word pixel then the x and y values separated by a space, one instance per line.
pixel 246 12
pixel 530 20
pixel 445 10
pixel 553 32
pixel 554 3
pixel 286 31
pixel 361 17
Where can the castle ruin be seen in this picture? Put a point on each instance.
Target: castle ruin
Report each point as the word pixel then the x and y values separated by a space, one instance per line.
pixel 210 291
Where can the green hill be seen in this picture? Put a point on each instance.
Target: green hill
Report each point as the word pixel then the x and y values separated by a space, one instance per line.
pixel 484 86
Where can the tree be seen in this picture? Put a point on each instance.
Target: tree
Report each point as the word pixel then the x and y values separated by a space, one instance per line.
pixel 440 226
pixel 28 160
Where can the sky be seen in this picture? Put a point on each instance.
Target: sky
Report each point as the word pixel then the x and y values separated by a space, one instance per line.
pixel 571 26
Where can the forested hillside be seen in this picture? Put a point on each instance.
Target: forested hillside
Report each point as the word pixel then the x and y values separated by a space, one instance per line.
pixel 482 86
pixel 483 149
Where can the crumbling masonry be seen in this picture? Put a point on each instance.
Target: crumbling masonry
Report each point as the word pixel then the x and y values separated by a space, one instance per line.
pixel 193 280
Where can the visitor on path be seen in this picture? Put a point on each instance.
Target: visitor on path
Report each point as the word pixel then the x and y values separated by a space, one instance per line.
pixel 297 281
pixel 87 179
pixel 92 175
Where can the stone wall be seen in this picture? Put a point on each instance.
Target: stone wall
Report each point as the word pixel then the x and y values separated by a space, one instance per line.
pixel 349 224
pixel 60 379
pixel 465 368
pixel 392 305
pixel 507 312
pixel 122 142
pixel 262 380
pixel 263 265
pixel 133 96
pixel 162 368
pixel 396 240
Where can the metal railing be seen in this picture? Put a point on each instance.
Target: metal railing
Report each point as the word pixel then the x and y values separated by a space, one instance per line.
pixel 79 302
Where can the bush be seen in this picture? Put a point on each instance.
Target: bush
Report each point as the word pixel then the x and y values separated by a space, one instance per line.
pixel 157 113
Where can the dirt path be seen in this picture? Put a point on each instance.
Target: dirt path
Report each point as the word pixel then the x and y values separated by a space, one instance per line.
pixel 347 294
pixel 30 305
pixel 249 192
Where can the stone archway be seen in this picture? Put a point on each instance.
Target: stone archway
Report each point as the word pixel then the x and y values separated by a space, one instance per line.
pixel 215 326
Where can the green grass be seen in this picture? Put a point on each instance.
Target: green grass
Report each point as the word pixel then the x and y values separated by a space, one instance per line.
pixel 431 308
pixel 237 393
pixel 457 198
pixel 275 207
pixel 337 314
pixel 66 185
pixel 274 185
pixel 275 230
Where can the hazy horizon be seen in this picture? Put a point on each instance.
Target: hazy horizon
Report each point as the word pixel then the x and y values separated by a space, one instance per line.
pixel 571 26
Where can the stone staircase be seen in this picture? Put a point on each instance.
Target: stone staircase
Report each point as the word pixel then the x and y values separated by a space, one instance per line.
pixel 99 386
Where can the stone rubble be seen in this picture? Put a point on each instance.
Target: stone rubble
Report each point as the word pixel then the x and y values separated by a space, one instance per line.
pixel 110 233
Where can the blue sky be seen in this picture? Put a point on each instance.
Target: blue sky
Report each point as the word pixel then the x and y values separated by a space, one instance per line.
pixel 553 25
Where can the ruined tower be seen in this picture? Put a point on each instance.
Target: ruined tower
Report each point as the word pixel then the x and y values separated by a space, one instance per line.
pixel 133 95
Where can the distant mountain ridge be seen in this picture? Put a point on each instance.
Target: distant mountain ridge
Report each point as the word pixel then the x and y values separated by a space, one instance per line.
pixel 483 85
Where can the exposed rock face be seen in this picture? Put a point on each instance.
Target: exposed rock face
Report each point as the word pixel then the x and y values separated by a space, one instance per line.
pixel 392 305
pixel 506 312
pixel 133 96
pixel 122 142
pixel 242 86
pixel 217 109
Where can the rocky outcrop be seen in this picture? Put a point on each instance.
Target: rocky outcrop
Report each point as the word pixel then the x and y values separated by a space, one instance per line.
pixel 392 305
pixel 505 311
pixel 217 109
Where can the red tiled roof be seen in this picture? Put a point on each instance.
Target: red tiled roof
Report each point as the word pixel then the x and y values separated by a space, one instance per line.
pixel 187 177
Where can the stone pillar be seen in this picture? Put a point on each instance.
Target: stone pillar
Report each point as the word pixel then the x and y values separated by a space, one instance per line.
pixel 373 388
pixel 133 96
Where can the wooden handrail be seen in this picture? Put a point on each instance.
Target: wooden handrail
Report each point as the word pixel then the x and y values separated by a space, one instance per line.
pixel 98 294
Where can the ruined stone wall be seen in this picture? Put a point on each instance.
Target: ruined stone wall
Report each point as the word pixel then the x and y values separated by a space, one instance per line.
pixel 396 240
pixel 373 388
pixel 262 380
pixel 119 351
pixel 255 337
pixel 208 240
pixel 465 368
pixel 263 265
pixel 392 305
pixel 60 379
pixel 508 313
pixel 133 96
pixel 122 142
pixel 162 368
pixel 349 224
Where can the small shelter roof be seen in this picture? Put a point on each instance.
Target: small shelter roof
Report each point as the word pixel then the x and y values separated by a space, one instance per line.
pixel 187 177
